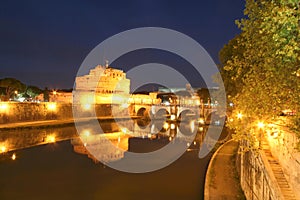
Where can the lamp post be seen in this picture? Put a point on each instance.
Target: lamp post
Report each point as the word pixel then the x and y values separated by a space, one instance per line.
pixel 260 126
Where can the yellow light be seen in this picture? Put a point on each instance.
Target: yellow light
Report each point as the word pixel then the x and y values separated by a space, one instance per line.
pixel 50 139
pixel 87 133
pixel 201 129
pixel 170 139
pixel 239 115
pixel 201 121
pixel 13 157
pixel 166 125
pixel 3 107
pixel 192 126
pixel 124 130
pixel 16 92
pixel 260 125
pixel 173 117
pixel 87 106
pixel 54 92
pixel 173 126
pixel 3 149
pixel 51 106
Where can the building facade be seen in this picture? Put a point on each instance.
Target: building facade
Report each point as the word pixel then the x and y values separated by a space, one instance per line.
pixel 104 80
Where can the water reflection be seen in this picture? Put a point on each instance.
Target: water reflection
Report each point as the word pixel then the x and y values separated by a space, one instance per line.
pixel 20 139
pixel 135 136
pixel 111 145
pixel 102 143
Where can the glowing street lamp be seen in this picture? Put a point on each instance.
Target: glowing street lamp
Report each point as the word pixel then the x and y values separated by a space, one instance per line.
pixel 260 125
pixel 239 115
pixel 51 106
pixel 50 139
pixel 3 149
pixel 3 107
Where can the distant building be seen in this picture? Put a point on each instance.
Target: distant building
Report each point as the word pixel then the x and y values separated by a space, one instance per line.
pixel 61 96
pixel 103 85
pixel 105 80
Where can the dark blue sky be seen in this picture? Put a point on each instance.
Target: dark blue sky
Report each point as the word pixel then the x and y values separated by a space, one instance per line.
pixel 43 43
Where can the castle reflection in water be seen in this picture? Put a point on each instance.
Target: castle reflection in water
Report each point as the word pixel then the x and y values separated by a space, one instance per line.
pixel 117 138
pixel 129 135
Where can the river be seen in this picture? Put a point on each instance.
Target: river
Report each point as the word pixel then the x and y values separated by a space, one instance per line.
pixel 53 163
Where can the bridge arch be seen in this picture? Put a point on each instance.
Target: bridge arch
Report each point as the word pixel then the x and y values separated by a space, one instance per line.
pixel 143 112
pixel 162 114
pixel 187 115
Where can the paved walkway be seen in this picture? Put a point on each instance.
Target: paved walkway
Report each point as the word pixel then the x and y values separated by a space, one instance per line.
pixel 222 180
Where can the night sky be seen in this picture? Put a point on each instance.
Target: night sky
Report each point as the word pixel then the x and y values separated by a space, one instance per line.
pixel 43 43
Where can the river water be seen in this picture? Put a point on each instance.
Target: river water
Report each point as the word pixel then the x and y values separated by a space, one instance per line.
pixel 54 163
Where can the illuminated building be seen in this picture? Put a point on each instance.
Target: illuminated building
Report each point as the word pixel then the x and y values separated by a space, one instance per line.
pixel 105 80
pixel 103 85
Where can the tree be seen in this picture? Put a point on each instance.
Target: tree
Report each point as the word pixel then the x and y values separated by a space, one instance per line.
pixel 11 85
pixel 46 94
pixel 33 91
pixel 261 66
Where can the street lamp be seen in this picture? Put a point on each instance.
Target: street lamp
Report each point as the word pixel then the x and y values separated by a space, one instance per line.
pixel 260 126
pixel 239 115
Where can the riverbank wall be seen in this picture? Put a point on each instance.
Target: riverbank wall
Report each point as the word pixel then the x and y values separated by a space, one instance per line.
pixel 14 112
pixel 256 177
pixel 274 171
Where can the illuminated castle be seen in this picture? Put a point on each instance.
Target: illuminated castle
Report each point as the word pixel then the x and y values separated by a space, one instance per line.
pixel 103 85
pixel 104 80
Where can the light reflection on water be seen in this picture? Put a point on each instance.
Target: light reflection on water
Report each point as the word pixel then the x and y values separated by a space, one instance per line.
pixel 49 169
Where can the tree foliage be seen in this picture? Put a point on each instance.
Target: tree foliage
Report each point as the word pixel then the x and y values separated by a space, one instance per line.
pixel 261 66
pixel 11 85
pixel 33 91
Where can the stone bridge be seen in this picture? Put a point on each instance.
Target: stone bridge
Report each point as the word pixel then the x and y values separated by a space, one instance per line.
pixel 173 111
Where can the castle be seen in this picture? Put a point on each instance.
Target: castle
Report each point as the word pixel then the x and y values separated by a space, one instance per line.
pixel 104 80
pixel 103 85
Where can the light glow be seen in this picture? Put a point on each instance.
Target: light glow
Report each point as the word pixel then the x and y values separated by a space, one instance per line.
pixel 87 106
pixel 260 125
pixel 239 115
pixel 192 126
pixel 124 130
pixel 3 107
pixel 3 149
pixel 166 125
pixel 201 121
pixel 173 126
pixel 51 106
pixel 50 139
pixel 86 133
pixel 13 157
pixel 173 117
